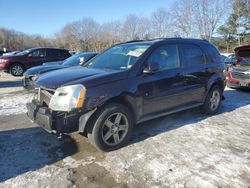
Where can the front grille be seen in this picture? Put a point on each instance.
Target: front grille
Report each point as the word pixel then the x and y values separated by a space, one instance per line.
pixel 240 75
pixel 44 96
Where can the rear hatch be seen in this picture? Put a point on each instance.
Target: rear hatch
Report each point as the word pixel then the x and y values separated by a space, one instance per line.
pixel 241 71
pixel 243 56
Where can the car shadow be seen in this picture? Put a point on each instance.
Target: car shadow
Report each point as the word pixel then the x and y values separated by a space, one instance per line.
pixel 234 99
pixel 28 149
pixel 7 84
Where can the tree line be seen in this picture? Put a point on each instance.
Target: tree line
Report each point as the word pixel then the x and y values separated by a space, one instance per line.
pixel 226 23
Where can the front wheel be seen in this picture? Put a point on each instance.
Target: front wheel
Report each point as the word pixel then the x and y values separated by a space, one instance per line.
pixel 16 69
pixel 113 125
pixel 213 101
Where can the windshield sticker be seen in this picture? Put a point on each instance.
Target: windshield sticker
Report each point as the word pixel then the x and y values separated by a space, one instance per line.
pixel 134 53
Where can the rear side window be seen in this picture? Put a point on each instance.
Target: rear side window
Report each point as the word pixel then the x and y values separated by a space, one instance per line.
pixel 64 53
pixel 53 53
pixel 213 55
pixel 192 55
pixel 167 57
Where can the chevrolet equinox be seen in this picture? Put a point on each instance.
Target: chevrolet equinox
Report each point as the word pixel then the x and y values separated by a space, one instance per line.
pixel 129 83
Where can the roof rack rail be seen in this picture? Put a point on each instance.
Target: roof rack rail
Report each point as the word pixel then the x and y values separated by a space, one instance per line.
pixel 129 42
pixel 164 38
pixel 134 41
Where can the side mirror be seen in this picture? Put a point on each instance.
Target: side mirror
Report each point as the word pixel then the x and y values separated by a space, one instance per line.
pixel 151 67
pixel 30 55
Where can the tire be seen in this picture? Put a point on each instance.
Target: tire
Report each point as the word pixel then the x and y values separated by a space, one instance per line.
pixel 112 127
pixel 213 101
pixel 16 69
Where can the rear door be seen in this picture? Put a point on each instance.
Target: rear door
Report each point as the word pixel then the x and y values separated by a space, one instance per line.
pixel 195 73
pixel 53 55
pixel 163 89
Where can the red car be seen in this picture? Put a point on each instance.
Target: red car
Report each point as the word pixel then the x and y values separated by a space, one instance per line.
pixel 238 75
pixel 17 64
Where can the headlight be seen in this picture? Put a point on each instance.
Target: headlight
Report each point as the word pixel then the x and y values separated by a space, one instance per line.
pixel 68 98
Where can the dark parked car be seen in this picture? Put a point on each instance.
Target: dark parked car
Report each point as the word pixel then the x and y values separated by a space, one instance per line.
pixel 17 64
pixel 238 75
pixel 11 53
pixel 32 74
pixel 127 84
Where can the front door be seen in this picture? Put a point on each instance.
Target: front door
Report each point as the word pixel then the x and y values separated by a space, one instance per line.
pixel 36 57
pixel 162 90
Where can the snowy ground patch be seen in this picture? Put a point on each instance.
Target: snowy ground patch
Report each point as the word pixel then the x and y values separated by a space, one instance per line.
pixel 14 103
pixel 185 149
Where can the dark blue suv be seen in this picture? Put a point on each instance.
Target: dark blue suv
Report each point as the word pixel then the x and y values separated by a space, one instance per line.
pixel 127 84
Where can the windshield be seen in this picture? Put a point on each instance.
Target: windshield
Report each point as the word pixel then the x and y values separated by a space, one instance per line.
pixel 78 59
pixel 73 60
pixel 23 52
pixel 120 57
pixel 230 58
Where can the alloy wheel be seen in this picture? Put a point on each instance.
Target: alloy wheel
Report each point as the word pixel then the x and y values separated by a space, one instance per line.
pixel 215 100
pixel 115 129
pixel 17 70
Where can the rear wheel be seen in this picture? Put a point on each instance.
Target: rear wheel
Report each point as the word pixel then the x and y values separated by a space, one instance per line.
pixel 113 125
pixel 213 101
pixel 16 69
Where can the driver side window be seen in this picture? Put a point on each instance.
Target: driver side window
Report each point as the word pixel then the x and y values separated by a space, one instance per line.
pixel 38 53
pixel 166 56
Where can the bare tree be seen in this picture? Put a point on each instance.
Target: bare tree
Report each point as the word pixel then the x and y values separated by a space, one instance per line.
pixel 161 23
pixel 135 27
pixel 208 15
pixel 183 18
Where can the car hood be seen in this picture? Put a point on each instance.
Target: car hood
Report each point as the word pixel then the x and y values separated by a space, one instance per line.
pixel 42 69
pixel 89 77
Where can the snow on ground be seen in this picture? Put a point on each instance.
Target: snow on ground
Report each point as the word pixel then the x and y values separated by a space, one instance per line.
pixel 14 103
pixel 189 149
pixel 207 153
pixel 186 149
pixel 50 176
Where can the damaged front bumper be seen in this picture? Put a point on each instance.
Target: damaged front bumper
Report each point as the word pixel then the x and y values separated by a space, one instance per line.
pixel 59 122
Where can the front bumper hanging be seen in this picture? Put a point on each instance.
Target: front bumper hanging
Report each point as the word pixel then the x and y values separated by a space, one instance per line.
pixel 52 121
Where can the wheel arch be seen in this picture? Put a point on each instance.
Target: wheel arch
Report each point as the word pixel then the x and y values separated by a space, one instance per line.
pixel 125 100
pixel 214 80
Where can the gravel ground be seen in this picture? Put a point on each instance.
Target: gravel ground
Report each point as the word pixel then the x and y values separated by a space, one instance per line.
pixel 185 149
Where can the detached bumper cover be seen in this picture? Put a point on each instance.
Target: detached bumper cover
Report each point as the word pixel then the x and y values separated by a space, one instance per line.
pixel 52 121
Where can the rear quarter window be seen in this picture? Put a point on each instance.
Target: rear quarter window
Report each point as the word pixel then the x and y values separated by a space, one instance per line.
pixel 53 52
pixel 192 55
pixel 212 54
